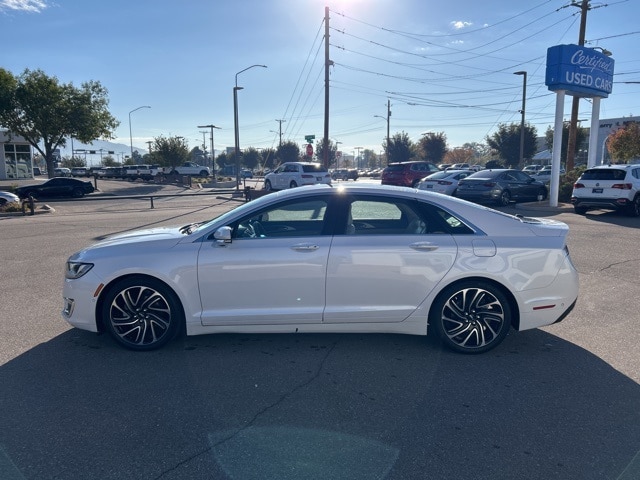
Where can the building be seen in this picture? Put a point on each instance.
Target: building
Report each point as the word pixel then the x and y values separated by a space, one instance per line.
pixel 17 161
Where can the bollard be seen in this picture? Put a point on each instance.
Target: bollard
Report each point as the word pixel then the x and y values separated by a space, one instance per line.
pixel 28 201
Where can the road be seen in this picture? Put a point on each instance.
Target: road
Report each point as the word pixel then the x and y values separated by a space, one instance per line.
pixel 560 402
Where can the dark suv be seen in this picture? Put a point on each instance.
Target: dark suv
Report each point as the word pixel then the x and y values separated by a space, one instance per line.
pixel 407 174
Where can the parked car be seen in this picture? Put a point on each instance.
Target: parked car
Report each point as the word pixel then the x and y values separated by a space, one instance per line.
pixel 407 174
pixel 359 258
pixel 62 172
pixel 296 174
pixel 7 197
pixel 57 187
pixel 544 174
pixel 79 172
pixel 611 187
pixel 246 173
pixel 459 166
pixel 443 182
pixel 501 186
pixel 532 169
pixel 345 174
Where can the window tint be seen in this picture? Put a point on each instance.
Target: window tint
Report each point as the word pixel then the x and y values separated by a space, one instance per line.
pixel 314 168
pixel 604 174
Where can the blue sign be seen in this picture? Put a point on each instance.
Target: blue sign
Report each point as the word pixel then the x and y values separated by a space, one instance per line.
pixel 581 71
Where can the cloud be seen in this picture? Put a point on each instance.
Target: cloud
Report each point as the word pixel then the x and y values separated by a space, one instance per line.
pixel 459 24
pixel 35 6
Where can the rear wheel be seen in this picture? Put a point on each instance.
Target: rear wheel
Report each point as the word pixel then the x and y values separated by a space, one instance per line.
pixel 580 210
pixel 471 316
pixel 78 193
pixel 633 210
pixel 505 198
pixel 142 313
pixel 542 194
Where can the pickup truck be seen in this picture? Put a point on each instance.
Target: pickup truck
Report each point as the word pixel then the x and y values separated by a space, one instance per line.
pixel 188 168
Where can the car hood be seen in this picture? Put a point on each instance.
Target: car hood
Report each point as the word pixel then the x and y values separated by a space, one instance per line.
pixel 164 234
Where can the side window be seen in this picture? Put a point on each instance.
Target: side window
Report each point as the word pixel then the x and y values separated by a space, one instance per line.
pixel 384 217
pixel 297 218
pixel 635 172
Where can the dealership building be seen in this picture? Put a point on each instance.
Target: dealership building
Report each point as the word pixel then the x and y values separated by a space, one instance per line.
pixel 17 161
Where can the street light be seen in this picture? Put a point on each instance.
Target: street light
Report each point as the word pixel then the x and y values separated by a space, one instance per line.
pixel 235 123
pixel 524 101
pixel 213 152
pixel 130 133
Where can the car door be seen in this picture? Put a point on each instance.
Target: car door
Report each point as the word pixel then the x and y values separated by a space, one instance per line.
pixel 390 256
pixel 273 269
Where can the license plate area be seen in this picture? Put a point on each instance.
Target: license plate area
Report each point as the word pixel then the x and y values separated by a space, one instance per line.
pixel 597 190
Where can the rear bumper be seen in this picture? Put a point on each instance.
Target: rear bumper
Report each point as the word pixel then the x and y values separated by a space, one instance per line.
pixel 597 202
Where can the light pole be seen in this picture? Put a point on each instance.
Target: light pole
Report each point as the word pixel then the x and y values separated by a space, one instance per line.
pixel 130 132
pixel 337 157
pixel 213 152
pixel 386 144
pixel 358 159
pixel 235 123
pixel 524 101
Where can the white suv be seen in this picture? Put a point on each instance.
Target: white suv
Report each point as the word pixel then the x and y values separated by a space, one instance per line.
pixel 612 187
pixel 296 174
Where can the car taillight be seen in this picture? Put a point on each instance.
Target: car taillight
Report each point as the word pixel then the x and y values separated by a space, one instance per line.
pixel 622 186
pixel 444 182
pixel 489 184
pixel 578 185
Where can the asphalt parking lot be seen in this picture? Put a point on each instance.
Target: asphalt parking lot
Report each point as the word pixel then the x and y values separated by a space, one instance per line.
pixel 560 402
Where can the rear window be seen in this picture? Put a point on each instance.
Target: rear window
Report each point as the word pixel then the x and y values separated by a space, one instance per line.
pixel 602 174
pixel 313 168
pixel 395 168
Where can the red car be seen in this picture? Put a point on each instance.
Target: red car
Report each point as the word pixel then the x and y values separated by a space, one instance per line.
pixel 407 174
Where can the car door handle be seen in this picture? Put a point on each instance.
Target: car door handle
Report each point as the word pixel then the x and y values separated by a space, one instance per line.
pixel 304 247
pixel 428 246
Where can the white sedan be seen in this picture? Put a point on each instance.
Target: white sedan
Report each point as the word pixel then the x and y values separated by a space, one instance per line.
pixel 444 182
pixel 353 258
pixel 8 197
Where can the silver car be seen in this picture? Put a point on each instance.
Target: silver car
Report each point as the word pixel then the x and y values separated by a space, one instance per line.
pixel 444 182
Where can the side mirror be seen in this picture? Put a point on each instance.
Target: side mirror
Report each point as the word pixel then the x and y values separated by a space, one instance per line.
pixel 223 235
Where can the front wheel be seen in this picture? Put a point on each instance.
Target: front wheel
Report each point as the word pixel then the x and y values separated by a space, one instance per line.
pixel 293 184
pixel 77 193
pixel 267 186
pixel 204 173
pixel 142 313
pixel 471 317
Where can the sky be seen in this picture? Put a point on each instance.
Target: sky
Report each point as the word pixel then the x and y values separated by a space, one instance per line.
pixel 443 66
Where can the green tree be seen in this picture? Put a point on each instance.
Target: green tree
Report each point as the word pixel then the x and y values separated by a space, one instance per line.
pixel 624 143
pixel 170 151
pixel 581 140
pixel 332 149
pixel 73 162
pixel 251 158
pixel 109 161
pixel 288 152
pixel 268 158
pixel 506 143
pixel 399 148
pixel 45 112
pixel 371 158
pixel 432 147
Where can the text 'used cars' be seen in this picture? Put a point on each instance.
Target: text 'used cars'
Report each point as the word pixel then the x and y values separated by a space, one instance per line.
pixel 353 258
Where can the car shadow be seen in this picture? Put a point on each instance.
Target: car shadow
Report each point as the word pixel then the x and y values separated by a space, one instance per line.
pixel 316 406
pixel 613 218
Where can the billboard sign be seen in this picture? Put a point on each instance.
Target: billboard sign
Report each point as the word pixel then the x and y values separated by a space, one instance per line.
pixel 580 71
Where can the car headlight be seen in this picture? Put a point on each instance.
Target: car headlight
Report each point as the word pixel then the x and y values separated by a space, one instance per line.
pixel 77 269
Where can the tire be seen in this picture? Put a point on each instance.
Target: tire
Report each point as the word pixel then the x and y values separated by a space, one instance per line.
pixel 3 202
pixel 77 193
pixel 505 198
pixel 415 183
pixel 633 210
pixel 141 313
pixel 542 193
pixel 267 186
pixel 204 173
pixel 471 316
pixel 293 184
pixel 580 210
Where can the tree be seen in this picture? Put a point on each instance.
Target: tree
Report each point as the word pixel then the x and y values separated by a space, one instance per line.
pixel 399 148
pixel 109 161
pixel 370 158
pixel 506 143
pixel 433 147
pixel 624 143
pixel 460 155
pixel 251 158
pixel 268 158
pixel 170 151
pixel 332 148
pixel 45 112
pixel 288 152
pixel 73 162
pixel 581 138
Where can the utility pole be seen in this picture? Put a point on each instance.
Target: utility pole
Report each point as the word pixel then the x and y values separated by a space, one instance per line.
pixel 149 145
pixel 327 64
pixel 280 130
pixel 575 105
